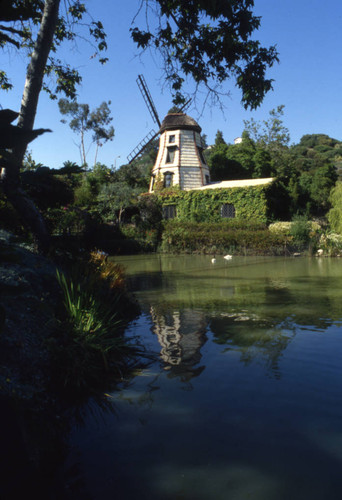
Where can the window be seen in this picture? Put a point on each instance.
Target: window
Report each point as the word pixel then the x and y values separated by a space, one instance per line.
pixel 168 179
pixel 170 155
pixel 169 211
pixel 172 138
pixel 228 211
pixel 207 179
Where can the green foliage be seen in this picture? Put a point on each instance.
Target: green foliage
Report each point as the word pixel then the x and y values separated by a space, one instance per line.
pixel 219 165
pixel 86 193
pixel 317 140
pixel 300 231
pixel 136 175
pixel 286 227
pixel 114 199
pixel 262 161
pixel 150 212
pixel 70 168
pixel 47 189
pixel 66 221
pixel 205 205
pixel 83 120
pixel 209 41
pixel 335 213
pixel 234 237
pixel 271 133
pixel 323 181
pixel 9 218
pixel 331 244
pixel 74 21
pixel 219 138
pixel 89 344
pixel 244 160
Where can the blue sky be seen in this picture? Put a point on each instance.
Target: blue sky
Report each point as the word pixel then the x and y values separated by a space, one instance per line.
pixel 308 81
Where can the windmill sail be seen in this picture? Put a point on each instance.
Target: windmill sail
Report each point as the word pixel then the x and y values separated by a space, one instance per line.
pixel 148 99
pixel 185 105
pixel 142 145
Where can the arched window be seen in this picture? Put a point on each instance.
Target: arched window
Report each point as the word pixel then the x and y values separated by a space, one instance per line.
pixel 168 179
pixel 228 211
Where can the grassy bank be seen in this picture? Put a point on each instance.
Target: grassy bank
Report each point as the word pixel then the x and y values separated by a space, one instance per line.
pixel 62 340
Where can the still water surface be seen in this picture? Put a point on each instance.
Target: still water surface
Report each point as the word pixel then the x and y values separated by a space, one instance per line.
pixel 244 400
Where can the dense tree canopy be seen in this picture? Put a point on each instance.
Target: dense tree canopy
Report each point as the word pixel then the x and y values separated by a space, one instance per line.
pixel 306 171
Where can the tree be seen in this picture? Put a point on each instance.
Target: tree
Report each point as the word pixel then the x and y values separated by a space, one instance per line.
pixel 335 213
pixel 52 30
pixel 272 136
pixel 114 198
pixel 323 181
pixel 211 41
pixel 262 163
pixel 219 138
pixel 83 120
pixel 271 133
pixel 92 182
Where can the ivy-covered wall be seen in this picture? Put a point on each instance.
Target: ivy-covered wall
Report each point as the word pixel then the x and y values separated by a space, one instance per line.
pixel 205 205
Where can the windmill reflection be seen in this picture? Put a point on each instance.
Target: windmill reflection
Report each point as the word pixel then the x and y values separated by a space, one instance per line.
pixel 181 335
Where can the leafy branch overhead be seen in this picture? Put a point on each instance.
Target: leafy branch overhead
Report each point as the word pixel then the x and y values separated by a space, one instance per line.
pixel 21 19
pixel 211 41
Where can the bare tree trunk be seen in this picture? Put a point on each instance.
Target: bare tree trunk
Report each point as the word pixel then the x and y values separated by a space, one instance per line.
pixel 36 68
pixel 96 152
pixel 10 175
pixel 83 153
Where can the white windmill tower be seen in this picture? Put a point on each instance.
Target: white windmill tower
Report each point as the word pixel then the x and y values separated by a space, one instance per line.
pixel 180 160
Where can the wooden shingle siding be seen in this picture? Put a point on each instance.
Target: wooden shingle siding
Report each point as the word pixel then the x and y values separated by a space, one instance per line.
pixel 188 150
pixel 180 153
pixel 190 177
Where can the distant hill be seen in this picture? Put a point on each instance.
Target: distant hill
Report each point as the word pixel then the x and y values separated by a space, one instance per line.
pixel 314 149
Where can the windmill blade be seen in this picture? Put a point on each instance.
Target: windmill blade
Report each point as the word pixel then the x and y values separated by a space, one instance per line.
pixel 148 99
pixel 142 145
pixel 185 105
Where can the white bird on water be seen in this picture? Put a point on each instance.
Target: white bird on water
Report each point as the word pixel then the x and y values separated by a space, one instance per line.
pixel 228 257
pixel 213 260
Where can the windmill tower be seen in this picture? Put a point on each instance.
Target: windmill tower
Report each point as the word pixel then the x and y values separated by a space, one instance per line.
pixel 180 160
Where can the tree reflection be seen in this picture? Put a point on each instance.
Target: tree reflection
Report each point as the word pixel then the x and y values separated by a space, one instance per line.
pixel 253 338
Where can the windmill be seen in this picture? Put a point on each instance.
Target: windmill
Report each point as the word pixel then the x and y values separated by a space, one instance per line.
pixel 180 159
pixel 153 112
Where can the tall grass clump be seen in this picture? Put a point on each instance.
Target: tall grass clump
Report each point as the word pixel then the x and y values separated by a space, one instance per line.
pixel 90 348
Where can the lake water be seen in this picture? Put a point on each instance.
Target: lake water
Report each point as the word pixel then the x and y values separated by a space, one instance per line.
pixel 244 400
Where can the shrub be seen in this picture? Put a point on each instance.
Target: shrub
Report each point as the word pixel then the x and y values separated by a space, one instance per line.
pixel 331 244
pixel 89 347
pixel 300 231
pixel 220 238
pixel 280 228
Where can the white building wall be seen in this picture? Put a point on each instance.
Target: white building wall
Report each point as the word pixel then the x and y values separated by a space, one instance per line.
pixel 191 178
pixel 188 170
pixel 189 157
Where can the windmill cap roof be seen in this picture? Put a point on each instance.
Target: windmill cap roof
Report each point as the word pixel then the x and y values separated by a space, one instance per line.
pixel 174 121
